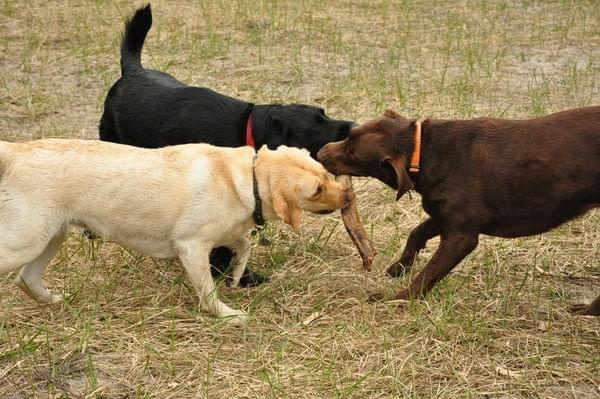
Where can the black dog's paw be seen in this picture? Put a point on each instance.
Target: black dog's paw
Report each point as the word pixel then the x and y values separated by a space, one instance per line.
pixel 253 279
pixel 264 241
pixel 89 235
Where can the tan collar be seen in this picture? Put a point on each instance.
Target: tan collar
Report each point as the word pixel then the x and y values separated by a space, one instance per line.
pixel 415 159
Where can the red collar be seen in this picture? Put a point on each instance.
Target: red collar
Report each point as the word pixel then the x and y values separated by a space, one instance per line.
pixel 249 134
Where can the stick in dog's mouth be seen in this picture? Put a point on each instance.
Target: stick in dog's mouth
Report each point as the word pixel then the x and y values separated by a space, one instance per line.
pixel 354 226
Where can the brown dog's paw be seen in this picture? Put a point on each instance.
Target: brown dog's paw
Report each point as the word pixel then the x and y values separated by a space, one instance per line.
pixel 403 295
pixel 396 269
pixel 583 309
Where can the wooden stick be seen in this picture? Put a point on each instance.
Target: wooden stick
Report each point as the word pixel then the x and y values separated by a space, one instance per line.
pixel 355 228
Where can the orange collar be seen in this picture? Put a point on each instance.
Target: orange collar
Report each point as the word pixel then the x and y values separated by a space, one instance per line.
pixel 415 159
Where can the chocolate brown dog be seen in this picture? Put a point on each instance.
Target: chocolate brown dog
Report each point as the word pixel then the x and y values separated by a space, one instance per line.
pixel 505 178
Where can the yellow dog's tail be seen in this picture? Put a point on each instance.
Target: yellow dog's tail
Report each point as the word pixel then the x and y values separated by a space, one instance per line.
pixel 5 156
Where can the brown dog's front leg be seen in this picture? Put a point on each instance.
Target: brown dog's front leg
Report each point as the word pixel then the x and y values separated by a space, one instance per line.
pixel 453 248
pixel 593 309
pixel 416 242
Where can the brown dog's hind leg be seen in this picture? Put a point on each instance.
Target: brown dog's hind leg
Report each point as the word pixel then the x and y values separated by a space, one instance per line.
pixel 583 309
pixel 453 248
pixel 416 242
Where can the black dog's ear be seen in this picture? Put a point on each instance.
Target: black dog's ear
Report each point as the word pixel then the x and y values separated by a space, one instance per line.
pixel 403 182
pixel 279 126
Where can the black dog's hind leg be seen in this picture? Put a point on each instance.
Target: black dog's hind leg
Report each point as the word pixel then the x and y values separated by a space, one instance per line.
pixel 220 260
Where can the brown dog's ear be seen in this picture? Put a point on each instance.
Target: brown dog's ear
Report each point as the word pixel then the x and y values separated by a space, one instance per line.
pixel 403 182
pixel 390 113
pixel 287 208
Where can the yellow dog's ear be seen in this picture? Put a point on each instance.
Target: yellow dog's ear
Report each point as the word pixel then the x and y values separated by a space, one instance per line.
pixel 287 208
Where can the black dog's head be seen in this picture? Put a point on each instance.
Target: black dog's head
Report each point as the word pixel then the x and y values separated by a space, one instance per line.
pixel 304 126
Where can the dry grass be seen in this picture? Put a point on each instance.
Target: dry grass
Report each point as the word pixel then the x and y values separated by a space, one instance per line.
pixel 129 325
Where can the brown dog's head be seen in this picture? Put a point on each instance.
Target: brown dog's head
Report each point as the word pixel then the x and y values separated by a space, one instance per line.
pixel 296 182
pixel 379 148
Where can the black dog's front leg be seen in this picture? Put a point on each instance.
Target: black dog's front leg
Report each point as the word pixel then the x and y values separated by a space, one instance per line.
pixel 220 260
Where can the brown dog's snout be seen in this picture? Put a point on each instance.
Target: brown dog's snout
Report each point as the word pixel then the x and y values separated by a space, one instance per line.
pixel 324 153
pixel 326 156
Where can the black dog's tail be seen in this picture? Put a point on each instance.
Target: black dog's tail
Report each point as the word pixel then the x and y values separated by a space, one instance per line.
pixel 133 40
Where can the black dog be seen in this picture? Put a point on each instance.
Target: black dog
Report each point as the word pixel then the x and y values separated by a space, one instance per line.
pixel 149 108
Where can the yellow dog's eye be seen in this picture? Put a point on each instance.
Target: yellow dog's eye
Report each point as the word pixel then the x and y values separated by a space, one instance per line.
pixel 319 190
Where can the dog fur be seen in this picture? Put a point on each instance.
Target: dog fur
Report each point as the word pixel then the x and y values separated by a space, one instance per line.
pixel 175 201
pixel 505 178
pixel 149 108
